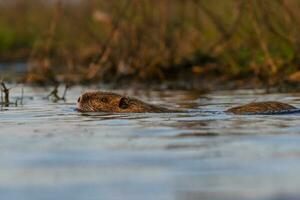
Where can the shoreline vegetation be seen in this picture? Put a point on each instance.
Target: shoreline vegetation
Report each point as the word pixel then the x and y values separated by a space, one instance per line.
pixel 197 44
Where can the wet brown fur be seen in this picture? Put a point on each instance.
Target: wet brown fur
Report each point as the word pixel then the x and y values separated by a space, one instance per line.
pixel 261 107
pixel 99 101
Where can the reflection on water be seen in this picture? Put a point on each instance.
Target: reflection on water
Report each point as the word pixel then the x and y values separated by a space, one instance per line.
pixel 50 151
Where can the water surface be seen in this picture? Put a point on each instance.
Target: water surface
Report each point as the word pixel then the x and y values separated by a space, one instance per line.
pixel 50 151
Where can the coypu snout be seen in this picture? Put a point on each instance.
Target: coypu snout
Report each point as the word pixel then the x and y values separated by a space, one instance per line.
pixel 99 101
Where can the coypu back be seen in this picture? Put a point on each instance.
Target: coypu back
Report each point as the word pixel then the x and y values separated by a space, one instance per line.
pixel 99 101
pixel 267 107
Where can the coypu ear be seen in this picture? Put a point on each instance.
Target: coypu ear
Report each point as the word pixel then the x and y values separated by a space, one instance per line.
pixel 124 103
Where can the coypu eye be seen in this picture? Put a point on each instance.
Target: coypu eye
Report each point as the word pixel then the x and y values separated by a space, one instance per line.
pixel 124 103
pixel 104 100
pixel 78 100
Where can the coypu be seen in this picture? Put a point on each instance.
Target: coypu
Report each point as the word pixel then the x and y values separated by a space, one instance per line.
pixel 99 101
pixel 266 107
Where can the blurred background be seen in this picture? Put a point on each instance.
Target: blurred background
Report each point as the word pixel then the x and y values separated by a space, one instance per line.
pixel 185 55
pixel 241 42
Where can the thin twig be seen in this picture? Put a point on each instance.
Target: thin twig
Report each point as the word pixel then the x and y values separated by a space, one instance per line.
pixel 1 97
pixel 6 93
pixel 22 96
pixel 54 94
pixel 65 92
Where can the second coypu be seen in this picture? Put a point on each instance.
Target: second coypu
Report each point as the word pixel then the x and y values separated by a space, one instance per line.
pixel 98 101
pixel 266 107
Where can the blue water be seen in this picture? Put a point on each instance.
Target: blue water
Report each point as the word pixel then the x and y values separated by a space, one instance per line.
pixel 50 151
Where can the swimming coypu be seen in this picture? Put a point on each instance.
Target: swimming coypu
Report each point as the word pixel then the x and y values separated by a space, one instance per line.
pixel 266 107
pixel 99 101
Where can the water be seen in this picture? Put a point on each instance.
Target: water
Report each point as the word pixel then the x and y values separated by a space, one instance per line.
pixel 50 151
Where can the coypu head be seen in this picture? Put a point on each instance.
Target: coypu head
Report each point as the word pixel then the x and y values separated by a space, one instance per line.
pixel 267 107
pixel 99 101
